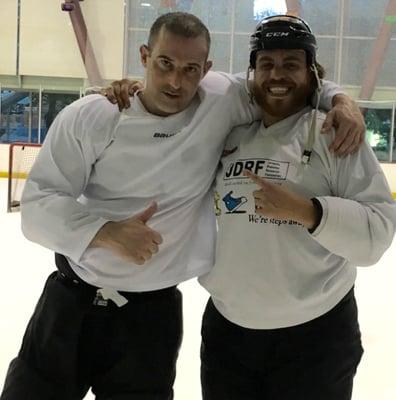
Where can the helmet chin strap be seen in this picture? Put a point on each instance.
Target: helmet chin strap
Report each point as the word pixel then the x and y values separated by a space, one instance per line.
pixel 247 85
pixel 306 156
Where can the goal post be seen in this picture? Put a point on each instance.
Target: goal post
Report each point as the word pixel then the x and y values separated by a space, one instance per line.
pixel 21 160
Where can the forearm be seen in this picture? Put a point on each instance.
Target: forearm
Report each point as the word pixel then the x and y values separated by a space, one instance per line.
pixel 306 213
pixel 358 232
pixel 57 221
pixel 330 93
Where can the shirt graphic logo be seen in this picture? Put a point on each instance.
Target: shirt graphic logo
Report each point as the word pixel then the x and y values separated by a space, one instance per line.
pixel 233 203
pixel 164 135
pixel 265 167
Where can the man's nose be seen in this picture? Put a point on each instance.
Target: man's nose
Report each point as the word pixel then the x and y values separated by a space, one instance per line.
pixel 277 72
pixel 175 79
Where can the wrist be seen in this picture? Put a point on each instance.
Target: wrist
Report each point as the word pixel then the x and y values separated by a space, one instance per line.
pixel 308 215
pixel 311 215
pixel 340 99
pixel 102 237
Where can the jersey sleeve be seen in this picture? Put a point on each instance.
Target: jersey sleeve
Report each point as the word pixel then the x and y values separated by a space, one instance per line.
pixel 359 220
pixel 329 90
pixel 244 109
pixel 51 214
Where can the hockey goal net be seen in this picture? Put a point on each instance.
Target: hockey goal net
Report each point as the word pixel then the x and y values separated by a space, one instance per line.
pixel 21 160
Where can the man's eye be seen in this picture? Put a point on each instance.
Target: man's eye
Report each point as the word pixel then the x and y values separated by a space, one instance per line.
pixel 265 66
pixel 291 66
pixel 164 63
pixel 192 70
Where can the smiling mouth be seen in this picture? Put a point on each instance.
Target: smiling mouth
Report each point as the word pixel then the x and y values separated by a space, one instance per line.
pixel 278 91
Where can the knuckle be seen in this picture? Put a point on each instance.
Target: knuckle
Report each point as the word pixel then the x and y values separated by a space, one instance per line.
pixel 138 259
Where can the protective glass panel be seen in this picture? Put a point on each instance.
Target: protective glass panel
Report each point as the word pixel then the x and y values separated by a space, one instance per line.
pixel 365 17
pixel 241 53
pixel 327 56
pixel 355 57
pixel 19 116
pixel 226 20
pixel 322 15
pixel 387 76
pixel 394 134
pixel 378 122
pixel 52 104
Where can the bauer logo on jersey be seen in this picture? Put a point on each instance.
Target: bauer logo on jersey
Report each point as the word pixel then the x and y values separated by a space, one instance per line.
pixel 163 135
pixel 265 167
pixel 234 203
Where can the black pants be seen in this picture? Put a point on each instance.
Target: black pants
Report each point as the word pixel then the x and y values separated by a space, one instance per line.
pixel 313 361
pixel 71 345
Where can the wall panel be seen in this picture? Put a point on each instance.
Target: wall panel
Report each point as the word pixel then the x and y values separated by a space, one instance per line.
pixel 48 46
pixel 8 36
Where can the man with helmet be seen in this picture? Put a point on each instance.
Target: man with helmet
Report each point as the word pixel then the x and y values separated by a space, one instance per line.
pixel 88 199
pixel 282 323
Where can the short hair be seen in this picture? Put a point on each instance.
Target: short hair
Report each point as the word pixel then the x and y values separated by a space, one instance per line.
pixel 179 23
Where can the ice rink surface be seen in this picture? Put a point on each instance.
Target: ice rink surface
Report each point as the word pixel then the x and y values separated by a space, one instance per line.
pixel 24 266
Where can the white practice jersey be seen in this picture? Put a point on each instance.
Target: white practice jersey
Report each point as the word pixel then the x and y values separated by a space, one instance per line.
pixel 99 165
pixel 273 273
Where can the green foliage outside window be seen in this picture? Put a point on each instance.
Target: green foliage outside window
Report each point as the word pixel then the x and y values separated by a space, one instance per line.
pixel 378 123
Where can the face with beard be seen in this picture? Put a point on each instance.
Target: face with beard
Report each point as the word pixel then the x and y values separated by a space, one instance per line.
pixel 282 83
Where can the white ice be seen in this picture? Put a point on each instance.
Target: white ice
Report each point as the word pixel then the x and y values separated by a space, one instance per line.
pixel 24 267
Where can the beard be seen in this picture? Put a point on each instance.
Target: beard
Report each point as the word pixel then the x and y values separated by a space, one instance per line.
pixel 282 107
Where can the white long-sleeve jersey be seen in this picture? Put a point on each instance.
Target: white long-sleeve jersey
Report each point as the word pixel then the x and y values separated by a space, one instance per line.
pixel 272 273
pixel 98 165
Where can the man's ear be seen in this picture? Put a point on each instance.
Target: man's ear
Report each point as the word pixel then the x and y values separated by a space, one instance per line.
pixel 144 53
pixel 208 66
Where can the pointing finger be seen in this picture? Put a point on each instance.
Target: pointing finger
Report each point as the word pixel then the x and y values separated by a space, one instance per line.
pixel 255 178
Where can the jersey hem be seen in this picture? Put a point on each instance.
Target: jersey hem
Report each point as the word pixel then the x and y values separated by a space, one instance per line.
pixel 156 285
pixel 293 320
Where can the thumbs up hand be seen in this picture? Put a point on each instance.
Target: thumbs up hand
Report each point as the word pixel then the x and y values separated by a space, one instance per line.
pixel 130 239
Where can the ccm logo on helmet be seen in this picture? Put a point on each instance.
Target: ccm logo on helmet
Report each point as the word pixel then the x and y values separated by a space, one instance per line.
pixel 277 34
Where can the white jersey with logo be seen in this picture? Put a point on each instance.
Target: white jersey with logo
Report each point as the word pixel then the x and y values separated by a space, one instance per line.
pixel 271 273
pixel 116 164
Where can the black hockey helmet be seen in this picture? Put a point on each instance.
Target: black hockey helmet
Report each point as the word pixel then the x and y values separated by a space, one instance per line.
pixel 282 32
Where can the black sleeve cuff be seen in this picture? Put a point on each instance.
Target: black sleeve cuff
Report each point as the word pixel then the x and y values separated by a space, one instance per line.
pixel 319 214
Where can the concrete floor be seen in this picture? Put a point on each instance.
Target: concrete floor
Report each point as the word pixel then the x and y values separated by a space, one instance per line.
pixel 24 267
